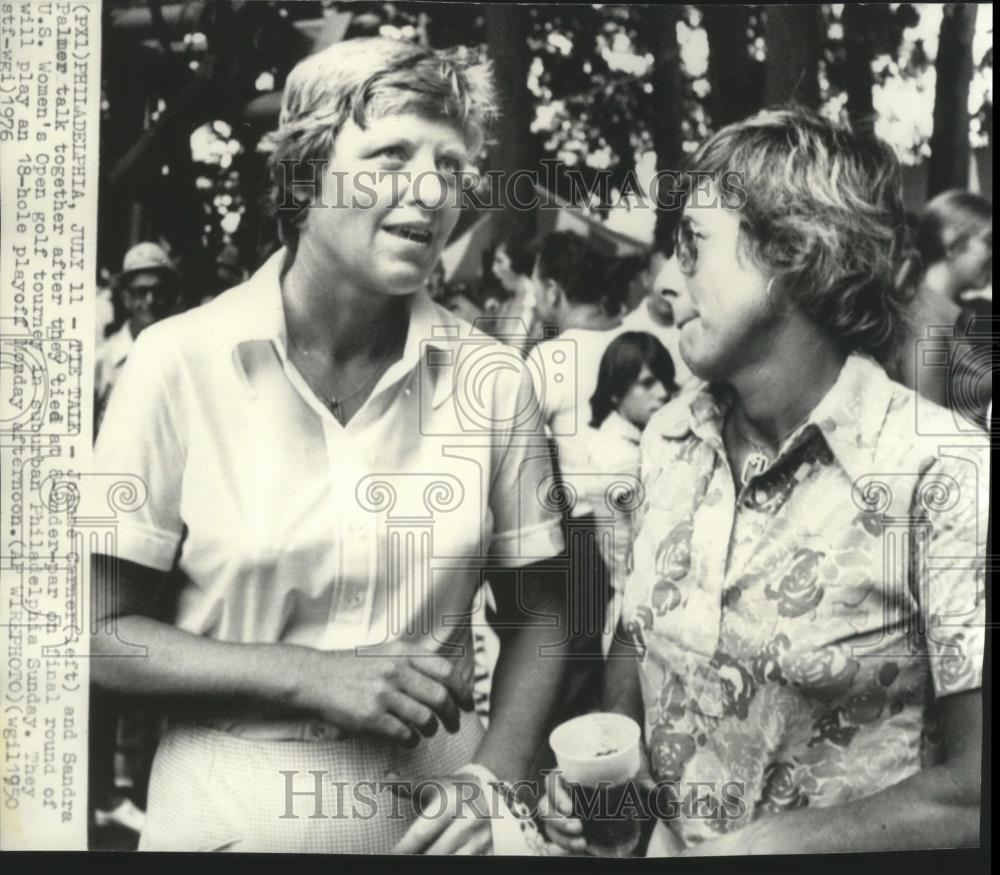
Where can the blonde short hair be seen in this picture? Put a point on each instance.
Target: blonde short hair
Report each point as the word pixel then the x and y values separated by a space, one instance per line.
pixel 365 79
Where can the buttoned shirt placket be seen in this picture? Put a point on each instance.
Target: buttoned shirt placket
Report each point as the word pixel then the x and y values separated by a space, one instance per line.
pixel 352 596
pixel 712 529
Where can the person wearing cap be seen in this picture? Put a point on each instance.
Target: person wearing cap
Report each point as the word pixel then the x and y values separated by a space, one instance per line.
pixel 148 290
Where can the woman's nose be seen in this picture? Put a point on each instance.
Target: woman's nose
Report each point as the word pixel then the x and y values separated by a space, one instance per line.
pixel 428 188
pixel 670 275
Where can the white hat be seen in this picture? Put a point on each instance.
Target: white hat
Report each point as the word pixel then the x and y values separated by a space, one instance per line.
pixel 146 256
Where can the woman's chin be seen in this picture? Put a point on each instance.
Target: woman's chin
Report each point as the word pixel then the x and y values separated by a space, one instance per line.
pixel 694 357
pixel 703 365
pixel 403 280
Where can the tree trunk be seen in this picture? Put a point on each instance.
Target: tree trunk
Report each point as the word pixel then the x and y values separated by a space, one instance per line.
pixel 507 39
pixel 667 106
pixel 859 48
pixel 948 166
pixel 736 91
pixel 794 39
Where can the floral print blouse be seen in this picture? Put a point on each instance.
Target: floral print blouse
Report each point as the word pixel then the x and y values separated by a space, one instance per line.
pixel 795 631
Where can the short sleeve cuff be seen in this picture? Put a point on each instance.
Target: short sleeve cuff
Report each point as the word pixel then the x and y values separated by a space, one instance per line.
pixel 524 546
pixel 147 546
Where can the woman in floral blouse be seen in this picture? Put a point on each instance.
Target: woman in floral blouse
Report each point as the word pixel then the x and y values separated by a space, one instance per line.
pixel 807 600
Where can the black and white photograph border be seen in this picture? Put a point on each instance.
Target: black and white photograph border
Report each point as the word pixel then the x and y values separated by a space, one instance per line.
pixel 553 430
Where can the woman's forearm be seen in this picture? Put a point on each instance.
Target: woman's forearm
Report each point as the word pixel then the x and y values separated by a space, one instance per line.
pixel 148 657
pixel 526 690
pixel 935 808
pixel 927 810
pixel 528 684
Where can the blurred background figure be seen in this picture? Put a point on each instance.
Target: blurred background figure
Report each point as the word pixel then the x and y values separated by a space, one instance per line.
pixel 511 267
pixel 105 306
pixel 572 299
pixel 146 291
pixel 632 276
pixel 944 352
pixel 437 288
pixel 229 270
pixel 570 281
pixel 657 313
pixel 461 300
pixel 635 379
pixel 224 272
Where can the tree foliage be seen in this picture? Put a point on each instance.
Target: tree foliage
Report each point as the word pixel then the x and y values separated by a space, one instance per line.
pixel 597 87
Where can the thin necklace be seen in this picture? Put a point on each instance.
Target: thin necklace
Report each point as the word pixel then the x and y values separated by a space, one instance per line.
pixel 758 459
pixel 336 404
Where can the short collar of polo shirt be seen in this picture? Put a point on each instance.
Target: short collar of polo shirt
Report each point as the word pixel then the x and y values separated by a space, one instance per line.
pixel 850 416
pixel 259 315
pixel 697 410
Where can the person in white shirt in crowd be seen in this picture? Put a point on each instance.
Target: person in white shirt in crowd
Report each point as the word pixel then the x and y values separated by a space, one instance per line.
pixel 636 378
pixel 572 297
pixel 511 266
pixel 657 313
pixel 570 281
pixel 307 460
pixel 148 290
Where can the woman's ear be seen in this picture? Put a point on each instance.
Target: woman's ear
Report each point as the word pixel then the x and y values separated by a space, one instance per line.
pixel 777 295
pixel 309 190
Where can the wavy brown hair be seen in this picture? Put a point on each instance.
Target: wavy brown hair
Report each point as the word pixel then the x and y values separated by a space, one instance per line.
pixel 821 208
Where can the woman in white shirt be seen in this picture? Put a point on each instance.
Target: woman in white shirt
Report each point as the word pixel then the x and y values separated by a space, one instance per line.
pixel 303 451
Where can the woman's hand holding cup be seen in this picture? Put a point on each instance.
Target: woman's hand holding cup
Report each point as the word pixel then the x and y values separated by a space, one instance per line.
pixel 600 768
pixel 556 810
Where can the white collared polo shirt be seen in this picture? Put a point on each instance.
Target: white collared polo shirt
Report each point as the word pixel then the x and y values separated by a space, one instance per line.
pixel 286 526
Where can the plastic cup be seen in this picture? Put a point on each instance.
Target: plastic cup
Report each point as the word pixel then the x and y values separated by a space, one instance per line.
pixel 597 748
pixel 598 755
